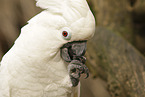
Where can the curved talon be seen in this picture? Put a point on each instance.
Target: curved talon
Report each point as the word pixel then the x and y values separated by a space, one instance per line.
pixel 74 81
pixel 86 71
pixel 82 59
pixel 87 75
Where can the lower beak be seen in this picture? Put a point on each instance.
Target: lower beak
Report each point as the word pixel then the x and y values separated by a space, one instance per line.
pixel 73 50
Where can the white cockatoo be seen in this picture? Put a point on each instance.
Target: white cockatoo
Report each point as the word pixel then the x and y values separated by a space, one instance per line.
pixel 47 59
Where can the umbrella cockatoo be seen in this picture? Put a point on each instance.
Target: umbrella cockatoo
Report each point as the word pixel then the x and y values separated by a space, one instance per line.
pixel 47 58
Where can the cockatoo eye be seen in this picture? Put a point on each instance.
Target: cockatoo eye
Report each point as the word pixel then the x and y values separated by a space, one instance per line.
pixel 66 34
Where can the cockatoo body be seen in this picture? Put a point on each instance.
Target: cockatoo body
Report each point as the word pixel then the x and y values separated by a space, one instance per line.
pixel 34 67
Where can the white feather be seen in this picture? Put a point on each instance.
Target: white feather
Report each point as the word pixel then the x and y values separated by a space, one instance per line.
pixel 80 7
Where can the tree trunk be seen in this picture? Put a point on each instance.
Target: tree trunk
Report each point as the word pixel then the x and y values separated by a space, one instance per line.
pixel 125 17
pixel 110 56
pixel 118 63
pixel 115 15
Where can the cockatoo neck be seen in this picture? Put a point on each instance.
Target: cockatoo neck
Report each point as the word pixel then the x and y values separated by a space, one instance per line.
pixel 38 62
pixel 38 50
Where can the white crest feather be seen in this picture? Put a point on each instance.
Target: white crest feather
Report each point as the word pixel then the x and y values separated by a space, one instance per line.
pixel 53 5
pixel 60 6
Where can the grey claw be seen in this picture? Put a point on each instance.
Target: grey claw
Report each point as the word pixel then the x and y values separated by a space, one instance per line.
pixel 82 59
pixel 85 71
pixel 87 75
pixel 75 81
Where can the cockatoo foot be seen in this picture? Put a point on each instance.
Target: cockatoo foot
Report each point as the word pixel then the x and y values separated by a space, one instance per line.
pixel 76 68
pixel 73 52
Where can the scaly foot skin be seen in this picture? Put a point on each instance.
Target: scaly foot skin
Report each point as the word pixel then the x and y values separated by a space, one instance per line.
pixel 76 68
pixel 73 52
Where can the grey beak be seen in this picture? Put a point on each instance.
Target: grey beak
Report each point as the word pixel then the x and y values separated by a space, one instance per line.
pixel 73 50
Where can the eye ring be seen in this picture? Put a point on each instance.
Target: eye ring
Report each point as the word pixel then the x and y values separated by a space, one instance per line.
pixel 66 33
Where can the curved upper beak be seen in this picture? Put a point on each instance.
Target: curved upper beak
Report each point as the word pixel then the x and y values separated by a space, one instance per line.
pixel 72 50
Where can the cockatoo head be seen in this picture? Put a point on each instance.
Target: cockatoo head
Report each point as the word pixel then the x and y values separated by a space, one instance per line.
pixel 72 17
pixel 65 26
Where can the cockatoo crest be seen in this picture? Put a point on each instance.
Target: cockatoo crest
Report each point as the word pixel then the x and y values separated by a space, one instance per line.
pixel 61 6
